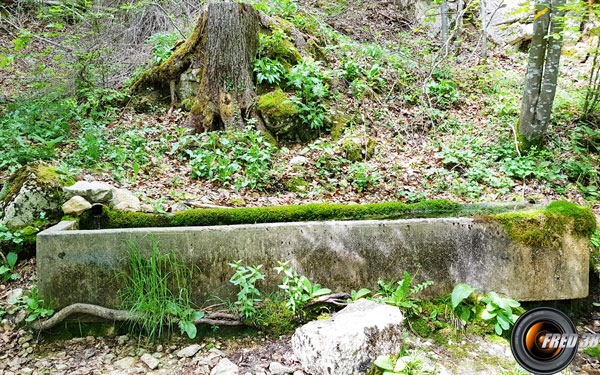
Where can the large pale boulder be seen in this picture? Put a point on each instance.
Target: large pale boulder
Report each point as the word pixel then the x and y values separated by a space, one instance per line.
pixel 508 23
pixel 124 200
pixel 348 342
pixel 32 190
pixel 94 191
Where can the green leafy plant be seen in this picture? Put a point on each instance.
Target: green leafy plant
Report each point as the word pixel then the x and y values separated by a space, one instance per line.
pixel 246 277
pixel 402 295
pixel 411 364
pixel 162 44
pixel 461 309
pixel 157 292
pixel 268 71
pixel 239 158
pixel 351 70
pixel 309 81
pixel 6 270
pixel 499 310
pixel 298 289
pixel 34 306
pixel 360 294
pixel 361 177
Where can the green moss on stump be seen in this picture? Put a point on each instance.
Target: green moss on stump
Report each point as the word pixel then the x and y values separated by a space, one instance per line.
pixel 252 215
pixel 545 227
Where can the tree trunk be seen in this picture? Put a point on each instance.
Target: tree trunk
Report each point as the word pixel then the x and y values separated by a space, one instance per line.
pixel 226 97
pixel 445 31
pixel 483 31
pixel 459 25
pixel 542 73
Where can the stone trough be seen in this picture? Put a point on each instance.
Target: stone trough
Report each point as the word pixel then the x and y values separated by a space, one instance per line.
pixel 482 251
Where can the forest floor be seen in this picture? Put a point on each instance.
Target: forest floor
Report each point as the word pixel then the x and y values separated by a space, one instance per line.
pixel 118 351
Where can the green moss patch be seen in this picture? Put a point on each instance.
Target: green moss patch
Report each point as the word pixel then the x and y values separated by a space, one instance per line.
pixel 251 215
pixel 276 104
pixel 545 227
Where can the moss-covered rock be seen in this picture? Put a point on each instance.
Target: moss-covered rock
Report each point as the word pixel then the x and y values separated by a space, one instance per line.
pixel 149 100
pixel 338 124
pixel 281 118
pixel 297 185
pixel 355 150
pixel 31 191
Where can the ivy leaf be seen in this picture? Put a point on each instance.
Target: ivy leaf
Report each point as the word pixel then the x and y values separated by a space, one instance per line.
pixel 384 362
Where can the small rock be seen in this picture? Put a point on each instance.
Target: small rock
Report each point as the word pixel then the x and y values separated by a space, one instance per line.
pixel 159 348
pixel 298 161
pixel 179 206
pixel 277 368
pixel 217 352
pixel 298 372
pixel 189 351
pixel 76 206
pixel 145 207
pixel 60 366
pixel 109 357
pixel 125 363
pixel 26 371
pixel 225 367
pixel 122 339
pixel 24 339
pixel 13 297
pixel 124 200
pixel 95 191
pixel 150 361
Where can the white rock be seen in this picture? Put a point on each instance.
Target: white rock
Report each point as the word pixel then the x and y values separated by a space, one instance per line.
pixel 76 206
pixel 179 206
pixel 145 207
pixel 277 368
pixel 125 363
pixel 225 367
pixel 95 191
pixel 348 342
pixel 13 296
pixel 150 361
pixel 124 200
pixel 298 160
pixel 189 351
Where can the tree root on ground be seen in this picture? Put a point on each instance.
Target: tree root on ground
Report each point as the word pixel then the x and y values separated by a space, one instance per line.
pixel 213 318
pixel 216 318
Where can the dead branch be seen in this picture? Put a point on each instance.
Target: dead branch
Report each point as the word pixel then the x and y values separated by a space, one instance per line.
pixel 338 299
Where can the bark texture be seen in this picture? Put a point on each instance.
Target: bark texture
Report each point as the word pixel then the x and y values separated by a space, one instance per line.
pixel 226 96
pixel 542 73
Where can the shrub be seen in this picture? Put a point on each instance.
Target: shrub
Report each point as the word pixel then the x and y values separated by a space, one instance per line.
pixel 309 81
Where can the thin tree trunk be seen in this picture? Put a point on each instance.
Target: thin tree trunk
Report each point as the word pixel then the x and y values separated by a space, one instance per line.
pixel 483 31
pixel 551 67
pixel 445 31
pixel 528 132
pixel 459 25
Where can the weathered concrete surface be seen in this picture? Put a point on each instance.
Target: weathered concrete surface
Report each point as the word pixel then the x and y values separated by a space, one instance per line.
pixel 80 266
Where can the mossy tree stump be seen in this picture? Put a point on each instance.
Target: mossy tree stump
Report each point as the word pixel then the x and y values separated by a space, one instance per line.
pixel 226 94
pixel 222 49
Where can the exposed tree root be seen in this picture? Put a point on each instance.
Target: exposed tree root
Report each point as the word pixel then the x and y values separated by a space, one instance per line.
pixel 213 318
pixel 216 318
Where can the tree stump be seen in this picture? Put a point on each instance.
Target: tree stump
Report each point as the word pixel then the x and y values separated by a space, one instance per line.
pixel 226 98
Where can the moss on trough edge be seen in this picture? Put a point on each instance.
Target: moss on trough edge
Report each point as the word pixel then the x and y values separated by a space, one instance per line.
pixel 253 215
pixel 533 227
pixel 545 227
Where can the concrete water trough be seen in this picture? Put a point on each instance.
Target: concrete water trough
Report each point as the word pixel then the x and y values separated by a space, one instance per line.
pixel 525 252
